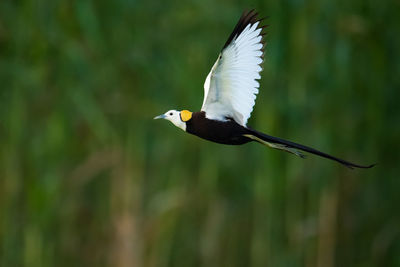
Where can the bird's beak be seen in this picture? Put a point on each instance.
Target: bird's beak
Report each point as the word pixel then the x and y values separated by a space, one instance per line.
pixel 160 117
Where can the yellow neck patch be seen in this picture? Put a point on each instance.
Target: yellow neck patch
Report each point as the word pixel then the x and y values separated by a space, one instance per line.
pixel 186 115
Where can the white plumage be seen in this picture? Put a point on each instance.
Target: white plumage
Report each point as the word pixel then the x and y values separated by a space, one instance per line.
pixel 231 86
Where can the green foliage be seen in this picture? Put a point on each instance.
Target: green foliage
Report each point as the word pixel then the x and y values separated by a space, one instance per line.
pixel 87 178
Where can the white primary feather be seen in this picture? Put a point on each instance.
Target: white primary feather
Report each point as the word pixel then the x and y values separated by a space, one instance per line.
pixel 231 86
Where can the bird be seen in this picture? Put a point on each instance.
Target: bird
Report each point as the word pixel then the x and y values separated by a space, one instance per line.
pixel 230 91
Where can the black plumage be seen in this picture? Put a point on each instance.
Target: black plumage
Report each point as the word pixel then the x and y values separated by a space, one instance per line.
pixel 223 132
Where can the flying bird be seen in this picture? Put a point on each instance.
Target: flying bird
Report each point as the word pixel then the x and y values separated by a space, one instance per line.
pixel 230 91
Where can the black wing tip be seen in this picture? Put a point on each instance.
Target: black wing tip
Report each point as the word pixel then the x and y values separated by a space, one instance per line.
pixel 247 17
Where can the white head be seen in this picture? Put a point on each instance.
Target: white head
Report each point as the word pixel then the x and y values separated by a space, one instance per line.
pixel 178 118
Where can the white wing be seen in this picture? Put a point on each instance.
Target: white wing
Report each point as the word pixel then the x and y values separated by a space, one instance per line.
pixel 231 86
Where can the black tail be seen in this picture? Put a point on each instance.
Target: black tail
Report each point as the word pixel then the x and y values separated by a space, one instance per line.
pixel 279 143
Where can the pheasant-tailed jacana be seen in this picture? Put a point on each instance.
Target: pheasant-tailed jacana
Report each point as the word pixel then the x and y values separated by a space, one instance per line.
pixel 230 91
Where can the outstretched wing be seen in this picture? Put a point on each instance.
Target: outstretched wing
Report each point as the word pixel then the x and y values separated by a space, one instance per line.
pixel 231 86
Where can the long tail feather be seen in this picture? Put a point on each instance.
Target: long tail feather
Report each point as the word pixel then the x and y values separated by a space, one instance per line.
pixel 279 143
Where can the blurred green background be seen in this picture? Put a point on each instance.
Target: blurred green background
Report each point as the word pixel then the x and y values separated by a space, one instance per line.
pixel 88 178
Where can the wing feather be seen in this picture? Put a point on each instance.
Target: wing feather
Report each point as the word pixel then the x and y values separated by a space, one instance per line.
pixel 231 86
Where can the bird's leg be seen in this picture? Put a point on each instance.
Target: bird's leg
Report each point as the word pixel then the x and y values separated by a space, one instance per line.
pixel 276 146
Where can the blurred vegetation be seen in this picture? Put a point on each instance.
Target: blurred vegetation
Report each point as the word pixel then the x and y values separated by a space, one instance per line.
pixel 87 178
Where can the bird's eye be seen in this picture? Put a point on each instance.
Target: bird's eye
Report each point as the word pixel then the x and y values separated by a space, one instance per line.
pixel 170 113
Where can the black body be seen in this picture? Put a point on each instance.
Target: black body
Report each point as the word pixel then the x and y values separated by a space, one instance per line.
pixel 224 132
pixel 231 133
